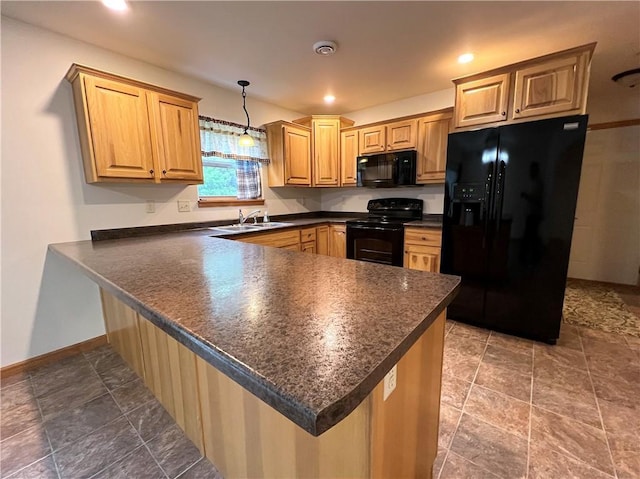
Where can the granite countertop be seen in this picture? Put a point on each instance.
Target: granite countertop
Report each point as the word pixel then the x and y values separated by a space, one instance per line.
pixel 428 221
pixel 310 335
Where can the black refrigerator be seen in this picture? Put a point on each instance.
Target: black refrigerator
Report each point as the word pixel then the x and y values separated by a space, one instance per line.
pixel 510 200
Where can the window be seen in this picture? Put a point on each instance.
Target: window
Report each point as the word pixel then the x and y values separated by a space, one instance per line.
pixel 232 174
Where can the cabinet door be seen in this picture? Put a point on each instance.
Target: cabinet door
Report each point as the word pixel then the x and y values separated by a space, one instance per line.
pixel 322 240
pixel 177 135
pixel 338 241
pixel 372 139
pixel 326 153
pixel 297 151
pixel 309 247
pixel 482 101
pixel 551 87
pixel 119 129
pixel 432 150
pixel 348 157
pixel 401 135
pixel 423 258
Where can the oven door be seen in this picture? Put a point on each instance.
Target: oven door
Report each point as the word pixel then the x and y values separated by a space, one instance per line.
pixel 376 244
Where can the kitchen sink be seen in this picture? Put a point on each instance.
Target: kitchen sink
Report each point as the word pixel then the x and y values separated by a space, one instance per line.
pixel 235 228
pixel 272 224
pixel 240 228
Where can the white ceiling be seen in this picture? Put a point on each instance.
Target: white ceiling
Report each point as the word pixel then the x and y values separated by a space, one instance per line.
pixel 387 51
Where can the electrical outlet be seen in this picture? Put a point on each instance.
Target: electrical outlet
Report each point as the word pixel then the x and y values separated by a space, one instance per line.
pixel 184 206
pixel 151 206
pixel 390 382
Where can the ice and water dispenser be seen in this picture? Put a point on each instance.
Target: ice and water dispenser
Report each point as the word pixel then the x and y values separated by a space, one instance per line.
pixel 469 203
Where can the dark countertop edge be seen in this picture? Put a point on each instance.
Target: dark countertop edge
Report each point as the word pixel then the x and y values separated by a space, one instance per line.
pixel 137 231
pixel 339 410
pixel 242 374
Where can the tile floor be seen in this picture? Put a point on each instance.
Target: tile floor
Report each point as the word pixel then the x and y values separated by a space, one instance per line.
pixel 90 416
pixel 510 409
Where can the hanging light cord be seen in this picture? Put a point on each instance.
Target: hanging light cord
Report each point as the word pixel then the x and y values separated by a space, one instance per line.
pixel 244 107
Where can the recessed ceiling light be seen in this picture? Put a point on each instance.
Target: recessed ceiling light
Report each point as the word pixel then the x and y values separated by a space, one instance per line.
pixel 465 58
pixel 329 98
pixel 117 5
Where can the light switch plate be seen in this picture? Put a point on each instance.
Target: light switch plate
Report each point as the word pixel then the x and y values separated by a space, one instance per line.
pixel 151 206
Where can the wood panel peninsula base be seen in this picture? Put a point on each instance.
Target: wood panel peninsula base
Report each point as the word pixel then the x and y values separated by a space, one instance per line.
pixel 244 437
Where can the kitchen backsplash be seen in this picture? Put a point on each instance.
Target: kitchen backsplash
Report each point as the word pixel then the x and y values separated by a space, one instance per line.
pixel 355 199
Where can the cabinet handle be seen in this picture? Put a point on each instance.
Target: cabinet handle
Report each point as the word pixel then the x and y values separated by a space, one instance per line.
pixel 504 113
pixel 517 110
pixel 151 172
pixel 164 172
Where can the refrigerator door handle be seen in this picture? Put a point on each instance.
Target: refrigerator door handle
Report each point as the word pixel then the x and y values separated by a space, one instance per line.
pixel 499 193
pixel 486 206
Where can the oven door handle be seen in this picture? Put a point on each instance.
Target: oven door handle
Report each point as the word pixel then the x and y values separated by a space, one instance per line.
pixel 369 228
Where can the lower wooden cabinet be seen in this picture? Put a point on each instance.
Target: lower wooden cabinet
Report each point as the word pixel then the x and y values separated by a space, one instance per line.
pixel 338 241
pixel 278 239
pixel 322 240
pixel 308 240
pixel 422 249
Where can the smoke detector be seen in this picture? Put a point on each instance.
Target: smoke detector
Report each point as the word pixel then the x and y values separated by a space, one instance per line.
pixel 325 47
pixel 629 78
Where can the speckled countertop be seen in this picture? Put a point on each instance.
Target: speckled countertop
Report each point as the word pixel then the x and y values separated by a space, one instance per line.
pixel 310 335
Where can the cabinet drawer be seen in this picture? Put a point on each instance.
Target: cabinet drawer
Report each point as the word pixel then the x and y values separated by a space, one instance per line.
pixel 281 239
pixel 424 236
pixel 308 234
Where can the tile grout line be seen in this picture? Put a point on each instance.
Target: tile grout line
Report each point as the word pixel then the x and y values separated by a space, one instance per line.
pixel 128 420
pixel 567 454
pixel 462 412
pixel 533 362
pixel 46 433
pixel 595 396
pixel 446 454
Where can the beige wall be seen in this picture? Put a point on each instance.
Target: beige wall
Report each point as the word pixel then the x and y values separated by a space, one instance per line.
pixel 46 305
pixel 606 238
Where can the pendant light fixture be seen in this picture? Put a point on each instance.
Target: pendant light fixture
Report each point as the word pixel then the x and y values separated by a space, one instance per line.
pixel 245 139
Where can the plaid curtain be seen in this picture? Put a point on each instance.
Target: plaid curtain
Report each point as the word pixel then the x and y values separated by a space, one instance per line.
pixel 248 175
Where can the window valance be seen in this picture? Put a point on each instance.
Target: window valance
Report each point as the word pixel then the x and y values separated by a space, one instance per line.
pixel 219 139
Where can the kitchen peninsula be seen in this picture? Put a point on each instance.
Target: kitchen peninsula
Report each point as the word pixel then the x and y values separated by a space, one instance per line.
pixel 273 361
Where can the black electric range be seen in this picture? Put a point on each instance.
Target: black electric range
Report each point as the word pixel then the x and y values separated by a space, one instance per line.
pixel 379 238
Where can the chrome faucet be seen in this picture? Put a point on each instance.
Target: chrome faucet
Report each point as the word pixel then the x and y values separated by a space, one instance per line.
pixel 242 218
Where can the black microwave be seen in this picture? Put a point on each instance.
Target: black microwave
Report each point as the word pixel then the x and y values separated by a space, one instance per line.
pixel 387 169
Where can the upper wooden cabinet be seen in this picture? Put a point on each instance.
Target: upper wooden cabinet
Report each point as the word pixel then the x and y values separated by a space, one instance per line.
pixel 550 87
pixel 372 139
pixel 433 132
pixel 544 87
pixel 401 135
pixel 482 101
pixel 135 132
pixel 393 136
pixel 348 157
pixel 325 147
pixel 178 144
pixel 290 153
